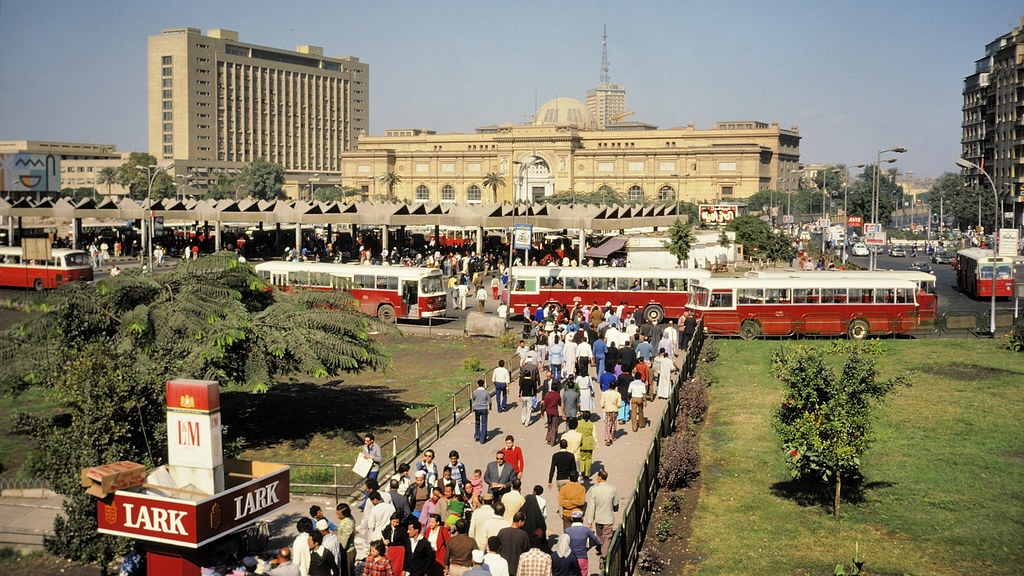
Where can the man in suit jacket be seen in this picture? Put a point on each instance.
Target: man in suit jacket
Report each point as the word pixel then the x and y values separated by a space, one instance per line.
pixel 422 557
pixel 399 500
pixel 498 476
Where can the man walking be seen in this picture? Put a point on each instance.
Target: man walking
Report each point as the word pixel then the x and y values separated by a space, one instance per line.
pixel 611 401
pixel 552 406
pixel 501 378
pixel 481 298
pixel 563 463
pixel 689 328
pixel 481 406
pixel 602 503
pixel 529 378
pixel 637 398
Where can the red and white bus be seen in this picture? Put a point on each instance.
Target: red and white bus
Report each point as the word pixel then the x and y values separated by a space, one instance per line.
pixel 819 306
pixel 387 292
pixel 62 267
pixel 927 298
pixel 974 273
pixel 660 293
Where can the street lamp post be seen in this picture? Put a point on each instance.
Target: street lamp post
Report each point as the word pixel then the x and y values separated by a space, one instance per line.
pixel 151 171
pixel 875 189
pixel 679 186
pixel 967 165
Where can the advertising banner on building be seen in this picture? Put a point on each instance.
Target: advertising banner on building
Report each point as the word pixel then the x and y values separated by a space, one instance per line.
pixel 720 214
pixel 29 173
pixel 523 236
pixel 854 221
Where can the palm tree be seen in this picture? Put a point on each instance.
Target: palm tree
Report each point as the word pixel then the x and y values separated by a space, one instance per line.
pixel 493 180
pixel 108 176
pixel 391 179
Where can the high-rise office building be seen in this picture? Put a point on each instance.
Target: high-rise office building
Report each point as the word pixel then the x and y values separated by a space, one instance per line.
pixel 993 117
pixel 216 103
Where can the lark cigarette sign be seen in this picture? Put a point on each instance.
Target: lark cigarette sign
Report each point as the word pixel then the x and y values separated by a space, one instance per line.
pixel 192 524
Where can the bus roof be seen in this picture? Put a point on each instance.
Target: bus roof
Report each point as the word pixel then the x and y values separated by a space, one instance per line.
pixel 824 281
pixel 913 275
pixel 403 272
pixel 980 254
pixel 609 272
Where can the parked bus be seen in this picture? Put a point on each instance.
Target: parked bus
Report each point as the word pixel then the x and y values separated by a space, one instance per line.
pixel 387 292
pixel 63 266
pixel 927 298
pixel 660 293
pixel 819 306
pixel 974 274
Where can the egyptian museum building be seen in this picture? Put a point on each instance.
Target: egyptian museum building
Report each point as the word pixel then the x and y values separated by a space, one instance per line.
pixel 565 150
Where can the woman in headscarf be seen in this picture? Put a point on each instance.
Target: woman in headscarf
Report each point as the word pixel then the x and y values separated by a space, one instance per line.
pixel 563 561
pixel 535 523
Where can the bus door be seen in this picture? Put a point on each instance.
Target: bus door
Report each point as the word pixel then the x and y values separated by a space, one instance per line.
pixel 279 279
pixel 410 298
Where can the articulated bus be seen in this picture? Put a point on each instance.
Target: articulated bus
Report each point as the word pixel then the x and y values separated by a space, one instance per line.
pixel 387 292
pixel 819 306
pixel 974 273
pixel 660 293
pixel 927 299
pixel 64 266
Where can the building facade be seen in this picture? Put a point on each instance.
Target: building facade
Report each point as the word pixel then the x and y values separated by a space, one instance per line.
pixel 216 103
pixel 562 151
pixel 993 117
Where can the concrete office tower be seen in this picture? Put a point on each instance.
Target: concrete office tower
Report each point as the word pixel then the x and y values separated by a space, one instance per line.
pixel 216 103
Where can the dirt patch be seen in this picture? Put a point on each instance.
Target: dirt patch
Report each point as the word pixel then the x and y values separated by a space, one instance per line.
pixel 967 372
pixel 673 554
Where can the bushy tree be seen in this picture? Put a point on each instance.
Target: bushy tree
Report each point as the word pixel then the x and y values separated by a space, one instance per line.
pixel 262 179
pixel 759 240
pixel 824 421
pixel 680 241
pixel 960 204
pixel 104 350
pixel 859 197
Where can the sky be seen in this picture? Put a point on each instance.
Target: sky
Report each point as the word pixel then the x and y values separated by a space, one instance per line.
pixel 854 77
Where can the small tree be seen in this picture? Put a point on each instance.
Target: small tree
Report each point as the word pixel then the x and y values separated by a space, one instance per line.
pixel 391 179
pixel 680 241
pixel 493 180
pixel 825 422
pixel 262 179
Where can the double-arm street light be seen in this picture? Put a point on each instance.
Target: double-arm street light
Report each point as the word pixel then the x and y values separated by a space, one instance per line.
pixel 875 189
pixel 147 231
pixel 967 165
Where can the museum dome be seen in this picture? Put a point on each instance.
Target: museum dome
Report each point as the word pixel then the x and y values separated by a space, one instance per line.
pixel 564 111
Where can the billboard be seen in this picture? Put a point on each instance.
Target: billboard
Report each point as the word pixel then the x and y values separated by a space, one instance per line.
pixel 718 213
pixel 29 173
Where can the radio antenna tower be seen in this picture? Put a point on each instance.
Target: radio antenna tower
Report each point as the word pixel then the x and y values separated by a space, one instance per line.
pixel 605 77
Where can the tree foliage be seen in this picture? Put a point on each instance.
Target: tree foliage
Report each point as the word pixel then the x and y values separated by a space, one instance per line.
pixel 390 179
pixel 262 179
pixel 104 350
pixel 860 194
pixel 959 203
pixel 680 241
pixel 107 176
pixel 494 180
pixel 825 421
pixel 759 240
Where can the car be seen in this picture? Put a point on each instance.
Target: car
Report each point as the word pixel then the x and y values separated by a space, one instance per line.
pixel 897 252
pixel 941 257
pixel 922 265
pixel 859 249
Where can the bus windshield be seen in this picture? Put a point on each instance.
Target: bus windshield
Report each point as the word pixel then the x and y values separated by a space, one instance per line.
pixel 431 285
pixel 76 259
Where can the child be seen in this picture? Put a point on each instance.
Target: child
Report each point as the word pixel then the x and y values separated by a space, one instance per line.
pixel 478 486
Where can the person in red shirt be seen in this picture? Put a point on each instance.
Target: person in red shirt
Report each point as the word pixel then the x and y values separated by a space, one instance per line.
pixel 514 456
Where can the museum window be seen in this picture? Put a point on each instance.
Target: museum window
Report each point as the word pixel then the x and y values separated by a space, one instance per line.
pixel 666 194
pixel 422 193
pixel 447 193
pixel 473 193
pixel 636 194
pixel 726 190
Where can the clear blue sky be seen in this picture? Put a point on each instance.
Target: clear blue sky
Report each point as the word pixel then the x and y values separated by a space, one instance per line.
pixel 854 76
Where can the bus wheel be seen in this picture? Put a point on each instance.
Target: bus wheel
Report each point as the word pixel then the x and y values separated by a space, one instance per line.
pixel 38 284
pixel 386 313
pixel 859 329
pixel 654 313
pixel 750 330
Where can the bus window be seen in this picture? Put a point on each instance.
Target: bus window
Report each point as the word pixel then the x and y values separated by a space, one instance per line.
pixel 648 284
pixel 700 297
pixel 601 284
pixel 985 272
pixel 76 259
pixel 548 281
pixel 526 284
pixel 679 284
pixel 623 284
pixel 1004 272
pixel 775 295
pixel 803 296
pixel 571 283
pixel 721 300
pixel 362 281
pixel 431 285
pixel 660 284
pixel 827 296
pixel 839 295
pixel 392 282
pixel 636 285
pixel 584 284
pixel 749 296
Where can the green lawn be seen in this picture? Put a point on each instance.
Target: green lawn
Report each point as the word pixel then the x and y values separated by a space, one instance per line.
pixel 942 489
